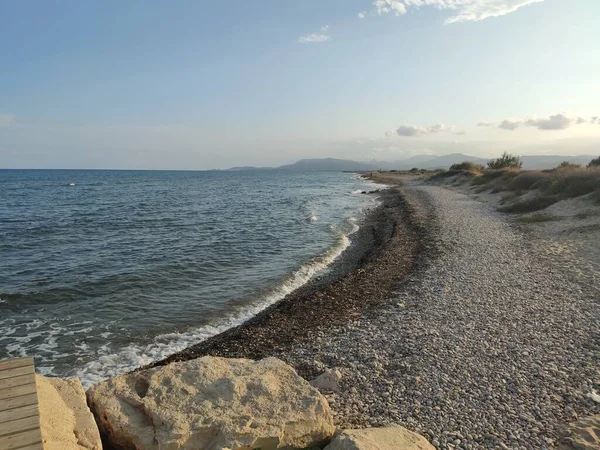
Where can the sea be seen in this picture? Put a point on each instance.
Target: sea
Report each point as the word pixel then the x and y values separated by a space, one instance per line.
pixel 103 271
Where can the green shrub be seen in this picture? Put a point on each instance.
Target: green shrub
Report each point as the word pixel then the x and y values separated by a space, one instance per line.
pixel 414 170
pixel 468 166
pixel 595 162
pixel 506 161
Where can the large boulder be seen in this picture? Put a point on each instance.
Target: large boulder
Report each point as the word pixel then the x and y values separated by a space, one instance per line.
pixel 390 438
pixel 65 419
pixel 211 404
pixel 583 434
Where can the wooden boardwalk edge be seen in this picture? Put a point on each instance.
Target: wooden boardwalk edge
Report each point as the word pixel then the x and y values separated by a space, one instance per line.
pixel 19 412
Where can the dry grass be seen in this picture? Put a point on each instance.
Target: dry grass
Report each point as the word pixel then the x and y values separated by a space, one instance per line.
pixel 532 204
pixel 552 185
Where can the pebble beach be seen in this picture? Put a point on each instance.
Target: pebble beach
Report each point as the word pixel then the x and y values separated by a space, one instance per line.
pixel 473 334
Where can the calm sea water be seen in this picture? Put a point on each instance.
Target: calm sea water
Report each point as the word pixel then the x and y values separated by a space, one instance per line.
pixel 103 271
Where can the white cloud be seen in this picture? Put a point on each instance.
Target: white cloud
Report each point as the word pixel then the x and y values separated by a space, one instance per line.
pixel 484 124
pixel 315 37
pixel 6 119
pixel 412 130
pixel 362 14
pixel 510 124
pixel 555 122
pixel 396 7
pixel 409 130
pixel 325 28
pixel 462 10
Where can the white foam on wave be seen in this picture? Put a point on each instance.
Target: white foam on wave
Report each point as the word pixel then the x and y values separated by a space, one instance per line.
pixel 131 357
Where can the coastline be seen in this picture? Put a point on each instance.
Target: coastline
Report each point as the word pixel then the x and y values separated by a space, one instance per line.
pixel 386 249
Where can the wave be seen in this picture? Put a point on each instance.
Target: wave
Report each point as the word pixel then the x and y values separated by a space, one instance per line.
pixel 134 356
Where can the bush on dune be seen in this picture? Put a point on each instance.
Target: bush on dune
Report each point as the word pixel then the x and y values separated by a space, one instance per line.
pixel 468 167
pixel 566 165
pixel 565 181
pixel 506 161
pixel 594 162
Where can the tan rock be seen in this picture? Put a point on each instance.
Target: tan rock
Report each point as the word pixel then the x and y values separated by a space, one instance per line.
pixel 212 403
pixel 390 438
pixel 65 419
pixel 583 434
pixel 328 381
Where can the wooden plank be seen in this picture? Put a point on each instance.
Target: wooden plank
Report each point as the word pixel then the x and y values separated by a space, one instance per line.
pixel 19 440
pixel 38 446
pixel 32 447
pixel 17 371
pixel 20 425
pixel 17 381
pixel 17 391
pixel 18 413
pixel 17 402
pixel 16 362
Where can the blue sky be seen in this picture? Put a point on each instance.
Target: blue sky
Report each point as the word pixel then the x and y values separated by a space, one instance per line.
pixel 199 85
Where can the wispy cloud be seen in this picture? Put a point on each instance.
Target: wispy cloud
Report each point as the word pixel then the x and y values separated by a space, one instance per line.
pixel 6 119
pixel 314 38
pixel 555 122
pixel 412 130
pixel 462 10
pixel 362 14
pixel 509 124
pixel 485 124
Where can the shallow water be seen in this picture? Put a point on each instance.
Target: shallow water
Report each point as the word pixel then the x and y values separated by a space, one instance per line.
pixel 103 271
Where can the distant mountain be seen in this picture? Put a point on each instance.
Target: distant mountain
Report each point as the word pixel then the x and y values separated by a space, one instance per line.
pixel 244 168
pixel 329 164
pixel 318 164
pixel 536 162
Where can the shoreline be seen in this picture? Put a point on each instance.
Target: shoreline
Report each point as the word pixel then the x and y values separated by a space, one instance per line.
pixel 386 249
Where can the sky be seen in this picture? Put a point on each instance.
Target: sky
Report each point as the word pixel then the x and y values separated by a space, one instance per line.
pixel 204 84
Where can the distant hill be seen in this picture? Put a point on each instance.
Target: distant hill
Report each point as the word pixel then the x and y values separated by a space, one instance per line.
pixel 318 164
pixel 536 162
pixel 328 164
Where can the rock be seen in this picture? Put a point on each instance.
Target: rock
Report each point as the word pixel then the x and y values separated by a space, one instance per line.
pixel 390 438
pixel 212 403
pixel 65 419
pixel 328 381
pixel 583 434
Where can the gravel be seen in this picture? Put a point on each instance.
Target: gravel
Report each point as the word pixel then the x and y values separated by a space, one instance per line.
pixel 494 343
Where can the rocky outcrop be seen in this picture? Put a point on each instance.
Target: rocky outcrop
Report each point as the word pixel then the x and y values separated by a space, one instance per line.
pixel 583 434
pixel 328 381
pixel 390 438
pixel 65 419
pixel 212 403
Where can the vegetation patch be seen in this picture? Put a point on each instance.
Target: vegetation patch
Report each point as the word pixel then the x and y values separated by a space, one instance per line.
pixel 536 218
pixel 506 161
pixel 533 204
pixel 468 166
